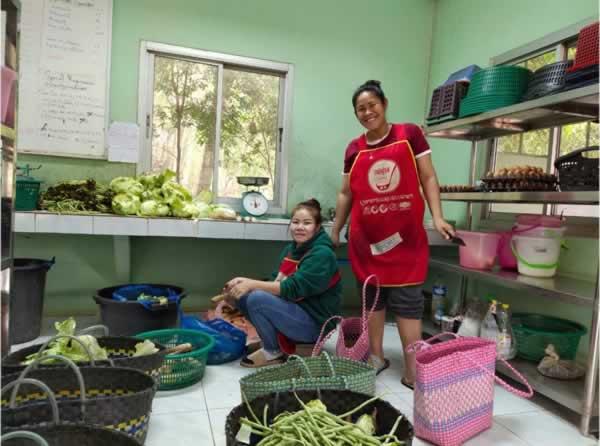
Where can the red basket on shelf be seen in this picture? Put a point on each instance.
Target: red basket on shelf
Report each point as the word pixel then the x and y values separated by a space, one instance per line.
pixel 587 48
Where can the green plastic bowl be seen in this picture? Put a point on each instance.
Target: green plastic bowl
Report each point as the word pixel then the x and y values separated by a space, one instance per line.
pixel 181 369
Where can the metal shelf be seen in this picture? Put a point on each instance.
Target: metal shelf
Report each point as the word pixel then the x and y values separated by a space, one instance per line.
pixel 574 197
pixel 566 393
pixel 569 107
pixel 565 289
pixel 8 133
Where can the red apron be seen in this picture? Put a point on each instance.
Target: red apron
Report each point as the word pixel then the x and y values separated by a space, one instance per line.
pixel 287 268
pixel 387 236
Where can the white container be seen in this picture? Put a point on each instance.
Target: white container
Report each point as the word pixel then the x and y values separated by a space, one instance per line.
pixel 536 256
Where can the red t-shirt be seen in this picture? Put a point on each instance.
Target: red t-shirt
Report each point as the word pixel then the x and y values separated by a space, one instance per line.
pixel 410 132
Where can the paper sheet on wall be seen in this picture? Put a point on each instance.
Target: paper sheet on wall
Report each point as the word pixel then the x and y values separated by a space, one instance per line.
pixel 123 140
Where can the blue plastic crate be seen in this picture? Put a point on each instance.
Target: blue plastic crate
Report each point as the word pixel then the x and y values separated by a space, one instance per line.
pixel 464 74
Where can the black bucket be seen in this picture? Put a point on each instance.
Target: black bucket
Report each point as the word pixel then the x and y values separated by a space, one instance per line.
pixel 130 317
pixel 27 300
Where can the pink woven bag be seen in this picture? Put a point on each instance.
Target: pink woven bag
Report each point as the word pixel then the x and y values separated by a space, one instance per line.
pixel 454 388
pixel 353 338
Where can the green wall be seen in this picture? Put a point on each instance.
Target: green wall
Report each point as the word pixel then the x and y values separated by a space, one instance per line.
pixel 332 51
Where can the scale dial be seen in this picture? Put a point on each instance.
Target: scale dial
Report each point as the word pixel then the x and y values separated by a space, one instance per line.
pixel 255 203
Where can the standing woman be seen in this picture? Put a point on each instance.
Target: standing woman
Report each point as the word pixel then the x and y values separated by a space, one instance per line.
pixel 386 172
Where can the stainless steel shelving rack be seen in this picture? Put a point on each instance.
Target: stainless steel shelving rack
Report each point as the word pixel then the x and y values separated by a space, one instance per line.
pixel 569 107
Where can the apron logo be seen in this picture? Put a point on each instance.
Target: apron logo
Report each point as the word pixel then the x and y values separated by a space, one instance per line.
pixel 384 176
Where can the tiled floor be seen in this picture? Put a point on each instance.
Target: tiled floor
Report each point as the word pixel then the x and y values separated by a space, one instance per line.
pixel 196 415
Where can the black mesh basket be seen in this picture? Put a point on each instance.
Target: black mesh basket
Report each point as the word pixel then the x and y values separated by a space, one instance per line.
pixel 120 350
pixel 582 77
pixel 72 435
pixel 445 101
pixel 548 79
pixel 578 172
pixel 337 402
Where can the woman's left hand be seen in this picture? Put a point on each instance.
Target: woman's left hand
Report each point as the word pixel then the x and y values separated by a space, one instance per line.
pixel 241 287
pixel 444 228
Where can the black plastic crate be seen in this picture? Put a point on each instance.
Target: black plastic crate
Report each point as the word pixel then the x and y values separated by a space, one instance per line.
pixel 578 172
pixel 445 101
pixel 548 79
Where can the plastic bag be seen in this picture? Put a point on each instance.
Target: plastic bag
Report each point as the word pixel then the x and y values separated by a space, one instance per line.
pixel 230 342
pixel 554 367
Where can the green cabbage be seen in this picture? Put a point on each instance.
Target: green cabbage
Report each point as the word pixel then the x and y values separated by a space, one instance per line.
pixel 152 194
pixel 69 348
pixel 205 196
pixel 153 208
pixel 126 204
pixel 156 180
pixel 145 348
pixel 184 209
pixel 173 192
pixel 126 185
pixel 203 209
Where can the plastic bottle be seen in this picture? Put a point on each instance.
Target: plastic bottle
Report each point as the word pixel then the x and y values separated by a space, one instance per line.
pixel 438 300
pixel 505 344
pixel 489 326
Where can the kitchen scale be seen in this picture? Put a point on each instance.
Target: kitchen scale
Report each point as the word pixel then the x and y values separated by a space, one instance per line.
pixel 254 203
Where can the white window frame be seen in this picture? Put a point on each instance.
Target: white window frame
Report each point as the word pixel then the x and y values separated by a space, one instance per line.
pixel 149 49
pixel 560 41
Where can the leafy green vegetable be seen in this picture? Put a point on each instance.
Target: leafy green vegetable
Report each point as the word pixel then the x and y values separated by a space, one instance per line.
pixel 185 209
pixel 203 209
pixel 175 192
pixel 126 185
pixel 155 299
pixel 156 179
pixel 145 348
pixel 205 196
pixel 153 208
pixel 366 424
pixel 126 204
pixel 76 197
pixel 69 348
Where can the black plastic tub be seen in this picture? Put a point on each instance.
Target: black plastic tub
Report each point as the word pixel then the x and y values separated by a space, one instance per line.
pixel 27 300
pixel 130 318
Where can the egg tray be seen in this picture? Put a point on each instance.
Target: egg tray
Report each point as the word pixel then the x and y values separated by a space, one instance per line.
pixel 459 188
pixel 518 185
pixel 544 178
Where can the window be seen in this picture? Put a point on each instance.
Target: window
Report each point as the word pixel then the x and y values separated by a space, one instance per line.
pixel 213 117
pixel 541 147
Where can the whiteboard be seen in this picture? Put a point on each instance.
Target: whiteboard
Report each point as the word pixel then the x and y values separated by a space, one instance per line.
pixel 64 72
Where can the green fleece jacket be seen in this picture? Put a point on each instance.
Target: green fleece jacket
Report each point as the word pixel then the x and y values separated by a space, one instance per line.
pixel 308 286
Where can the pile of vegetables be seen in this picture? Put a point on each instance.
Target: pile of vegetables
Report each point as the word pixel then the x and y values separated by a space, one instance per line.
pixel 314 425
pixel 74 350
pixel 157 195
pixel 77 196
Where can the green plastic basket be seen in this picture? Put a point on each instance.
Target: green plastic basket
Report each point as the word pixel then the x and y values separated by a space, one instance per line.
pixel 28 191
pixel 181 369
pixel 534 332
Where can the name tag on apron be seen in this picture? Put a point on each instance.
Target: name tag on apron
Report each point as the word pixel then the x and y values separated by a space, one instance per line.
pixel 386 245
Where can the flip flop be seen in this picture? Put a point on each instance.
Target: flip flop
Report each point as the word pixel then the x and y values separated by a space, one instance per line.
pixel 381 366
pixel 258 359
pixel 407 384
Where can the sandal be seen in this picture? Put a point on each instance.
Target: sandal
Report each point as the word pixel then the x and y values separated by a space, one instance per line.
pixel 405 383
pixel 378 364
pixel 258 359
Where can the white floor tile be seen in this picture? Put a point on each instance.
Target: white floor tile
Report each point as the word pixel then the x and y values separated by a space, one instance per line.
pixel 506 403
pixel 190 399
pixel 221 385
pixel 543 429
pixel 217 421
pixel 180 429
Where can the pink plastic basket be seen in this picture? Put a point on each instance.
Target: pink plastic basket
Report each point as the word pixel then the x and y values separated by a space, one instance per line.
pixel 353 338
pixel 480 249
pixel 454 388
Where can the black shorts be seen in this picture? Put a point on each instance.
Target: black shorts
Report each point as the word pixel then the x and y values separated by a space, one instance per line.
pixel 406 302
